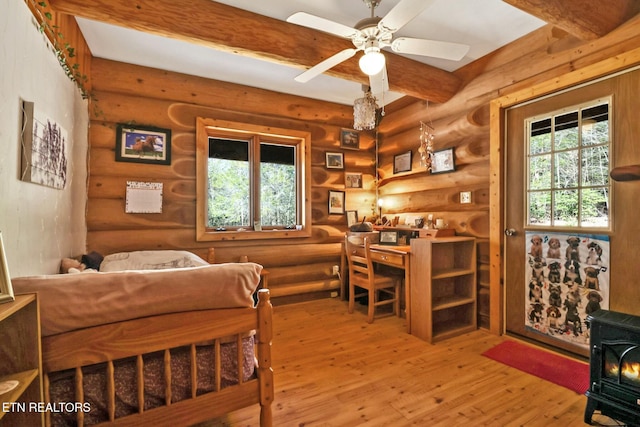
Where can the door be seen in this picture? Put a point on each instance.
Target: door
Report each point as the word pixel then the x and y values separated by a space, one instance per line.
pixel 524 312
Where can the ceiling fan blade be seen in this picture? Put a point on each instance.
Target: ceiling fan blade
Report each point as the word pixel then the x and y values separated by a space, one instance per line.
pixel 322 24
pixel 323 66
pixel 434 48
pixel 402 13
pixel 379 83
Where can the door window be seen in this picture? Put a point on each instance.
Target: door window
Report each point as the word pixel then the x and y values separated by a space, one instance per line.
pixel 568 166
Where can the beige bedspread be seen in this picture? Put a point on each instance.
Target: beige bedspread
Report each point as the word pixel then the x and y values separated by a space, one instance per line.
pixel 75 301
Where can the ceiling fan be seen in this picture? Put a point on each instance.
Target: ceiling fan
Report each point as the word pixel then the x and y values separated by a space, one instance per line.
pixel 374 33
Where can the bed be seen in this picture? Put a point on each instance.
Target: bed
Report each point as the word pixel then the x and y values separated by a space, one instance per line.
pixel 180 345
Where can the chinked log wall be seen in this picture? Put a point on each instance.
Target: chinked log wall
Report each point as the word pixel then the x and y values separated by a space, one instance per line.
pixel 124 93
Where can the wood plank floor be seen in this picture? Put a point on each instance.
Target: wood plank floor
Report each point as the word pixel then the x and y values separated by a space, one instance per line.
pixel 333 369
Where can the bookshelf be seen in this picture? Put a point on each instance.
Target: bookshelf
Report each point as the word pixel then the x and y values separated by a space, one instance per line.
pixel 21 356
pixel 443 287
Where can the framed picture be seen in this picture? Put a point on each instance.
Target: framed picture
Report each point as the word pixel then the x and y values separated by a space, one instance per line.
pixel 334 160
pixel 352 180
pixel 443 161
pixel 143 144
pixel 388 237
pixel 336 202
pixel 402 162
pixel 352 218
pixel 44 148
pixel 350 139
pixel 6 290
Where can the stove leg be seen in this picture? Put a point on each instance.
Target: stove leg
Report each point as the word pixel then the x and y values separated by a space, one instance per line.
pixel 592 405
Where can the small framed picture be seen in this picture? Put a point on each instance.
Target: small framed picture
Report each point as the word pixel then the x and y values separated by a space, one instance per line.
pixel 402 162
pixel 388 237
pixel 352 218
pixel 443 161
pixel 6 290
pixel 143 144
pixel 349 139
pixel 336 202
pixel 334 160
pixel 352 180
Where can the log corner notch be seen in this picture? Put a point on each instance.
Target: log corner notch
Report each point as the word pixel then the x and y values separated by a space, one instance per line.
pixel 626 173
pixel 585 19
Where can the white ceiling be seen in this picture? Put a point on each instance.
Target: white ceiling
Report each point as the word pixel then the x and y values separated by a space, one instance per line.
pixel 483 25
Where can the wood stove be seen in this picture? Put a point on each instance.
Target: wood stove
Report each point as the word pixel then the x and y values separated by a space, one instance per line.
pixel 614 388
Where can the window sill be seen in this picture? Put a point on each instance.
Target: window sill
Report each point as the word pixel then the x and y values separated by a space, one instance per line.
pixel 210 236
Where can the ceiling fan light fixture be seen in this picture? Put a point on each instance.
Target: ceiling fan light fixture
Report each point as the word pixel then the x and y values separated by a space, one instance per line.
pixel 372 62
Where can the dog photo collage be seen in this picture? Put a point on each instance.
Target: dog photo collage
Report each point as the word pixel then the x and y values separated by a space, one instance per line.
pixel 567 278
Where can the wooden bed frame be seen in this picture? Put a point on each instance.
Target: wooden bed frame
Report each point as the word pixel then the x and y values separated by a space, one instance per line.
pixel 133 338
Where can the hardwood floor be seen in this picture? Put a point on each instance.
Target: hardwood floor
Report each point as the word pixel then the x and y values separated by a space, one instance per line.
pixel 334 369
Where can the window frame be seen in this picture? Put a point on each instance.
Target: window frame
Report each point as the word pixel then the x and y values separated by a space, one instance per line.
pixel 527 129
pixel 214 128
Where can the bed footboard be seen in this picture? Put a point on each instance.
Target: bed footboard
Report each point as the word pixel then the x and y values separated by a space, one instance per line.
pixel 197 389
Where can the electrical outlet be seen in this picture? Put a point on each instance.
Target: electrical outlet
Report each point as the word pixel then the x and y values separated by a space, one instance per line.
pixel 334 294
pixel 336 270
pixel 465 197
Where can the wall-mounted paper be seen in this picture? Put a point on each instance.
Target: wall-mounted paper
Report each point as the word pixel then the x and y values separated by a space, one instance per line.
pixel 144 197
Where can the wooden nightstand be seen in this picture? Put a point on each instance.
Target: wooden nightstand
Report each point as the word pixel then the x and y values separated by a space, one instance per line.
pixel 21 357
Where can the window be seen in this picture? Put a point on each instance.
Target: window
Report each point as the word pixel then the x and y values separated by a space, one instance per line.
pixel 251 181
pixel 568 167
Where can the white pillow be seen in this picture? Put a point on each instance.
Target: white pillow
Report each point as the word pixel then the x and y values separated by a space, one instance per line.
pixel 150 260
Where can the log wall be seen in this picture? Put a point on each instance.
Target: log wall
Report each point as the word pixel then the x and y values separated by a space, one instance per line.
pixel 124 93
pixel 464 124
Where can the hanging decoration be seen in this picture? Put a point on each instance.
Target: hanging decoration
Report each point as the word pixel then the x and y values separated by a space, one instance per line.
pixel 364 112
pixel 425 150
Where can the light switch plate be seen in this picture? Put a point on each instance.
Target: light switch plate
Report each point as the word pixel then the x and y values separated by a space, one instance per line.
pixel 465 197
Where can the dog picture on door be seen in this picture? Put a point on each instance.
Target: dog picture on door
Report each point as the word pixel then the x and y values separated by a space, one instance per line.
pixel 566 279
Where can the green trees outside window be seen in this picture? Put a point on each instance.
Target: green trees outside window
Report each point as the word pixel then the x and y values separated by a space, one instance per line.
pixel 568 167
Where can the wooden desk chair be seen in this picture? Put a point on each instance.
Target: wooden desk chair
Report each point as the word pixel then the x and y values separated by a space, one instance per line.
pixel 362 275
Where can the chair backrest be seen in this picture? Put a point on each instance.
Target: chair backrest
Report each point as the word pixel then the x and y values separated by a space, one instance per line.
pixel 359 260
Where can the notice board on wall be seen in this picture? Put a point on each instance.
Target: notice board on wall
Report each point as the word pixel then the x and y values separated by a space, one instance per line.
pixel 143 197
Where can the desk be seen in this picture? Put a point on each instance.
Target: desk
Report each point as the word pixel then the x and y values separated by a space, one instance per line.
pixel 393 256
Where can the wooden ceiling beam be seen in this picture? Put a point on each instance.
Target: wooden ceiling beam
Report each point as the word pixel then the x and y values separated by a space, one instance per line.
pixel 237 31
pixel 585 19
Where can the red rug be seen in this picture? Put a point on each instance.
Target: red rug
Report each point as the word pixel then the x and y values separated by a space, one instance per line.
pixel 557 369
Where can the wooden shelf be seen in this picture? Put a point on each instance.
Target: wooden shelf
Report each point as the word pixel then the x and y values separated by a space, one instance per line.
pixel 443 287
pixel 452 329
pixel 482 256
pixel 21 359
pixel 449 302
pixel 25 379
pixel 453 272
pixel 7 309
